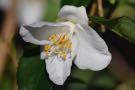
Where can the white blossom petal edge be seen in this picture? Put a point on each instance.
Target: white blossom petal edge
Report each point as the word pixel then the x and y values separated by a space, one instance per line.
pixel 62 41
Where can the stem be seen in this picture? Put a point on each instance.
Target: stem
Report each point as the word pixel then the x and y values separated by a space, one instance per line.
pixel 100 8
pixel 101 13
pixel 8 31
pixel 93 9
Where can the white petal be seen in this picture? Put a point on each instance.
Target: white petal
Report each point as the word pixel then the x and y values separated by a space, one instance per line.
pixel 38 33
pixel 74 46
pixel 74 14
pixel 58 69
pixel 92 52
pixel 28 37
pixel 42 55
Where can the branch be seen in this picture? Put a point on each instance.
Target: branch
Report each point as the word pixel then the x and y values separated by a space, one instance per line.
pixel 101 13
pixel 93 9
pixel 8 31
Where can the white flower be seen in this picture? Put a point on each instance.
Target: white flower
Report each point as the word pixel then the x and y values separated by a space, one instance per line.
pixel 65 40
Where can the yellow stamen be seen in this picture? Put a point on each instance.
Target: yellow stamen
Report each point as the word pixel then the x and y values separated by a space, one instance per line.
pixel 61 46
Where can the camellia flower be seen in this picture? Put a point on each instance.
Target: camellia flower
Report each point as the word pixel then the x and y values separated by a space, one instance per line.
pixel 68 40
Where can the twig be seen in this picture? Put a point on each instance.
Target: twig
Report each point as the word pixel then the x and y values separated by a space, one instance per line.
pixel 93 9
pixel 100 8
pixel 101 13
pixel 7 34
pixel 3 53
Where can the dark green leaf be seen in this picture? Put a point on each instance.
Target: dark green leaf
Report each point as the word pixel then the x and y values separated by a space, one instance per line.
pixel 123 26
pixel 83 75
pixel 104 79
pixel 31 50
pixel 77 86
pixel 75 2
pixel 31 74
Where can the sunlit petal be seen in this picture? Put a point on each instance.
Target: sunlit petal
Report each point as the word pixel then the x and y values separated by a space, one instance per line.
pixel 92 52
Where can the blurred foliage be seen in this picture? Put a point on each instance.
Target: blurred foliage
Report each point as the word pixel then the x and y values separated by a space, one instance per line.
pixel 75 2
pixel 52 8
pixel 125 8
pixel 90 79
pixel 112 1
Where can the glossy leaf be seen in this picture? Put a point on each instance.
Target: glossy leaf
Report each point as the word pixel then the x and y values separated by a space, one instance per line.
pixel 123 26
pixel 31 74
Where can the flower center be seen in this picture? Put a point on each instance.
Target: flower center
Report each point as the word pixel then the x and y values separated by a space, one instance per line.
pixel 61 46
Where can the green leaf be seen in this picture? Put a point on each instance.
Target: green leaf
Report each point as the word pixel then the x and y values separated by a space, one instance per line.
pixel 105 79
pixel 31 74
pixel 83 75
pixel 123 26
pixel 77 86
pixel 75 2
